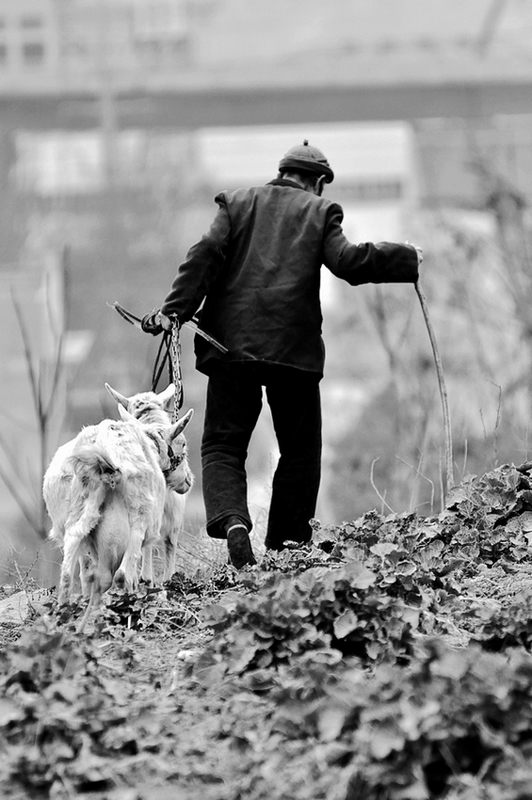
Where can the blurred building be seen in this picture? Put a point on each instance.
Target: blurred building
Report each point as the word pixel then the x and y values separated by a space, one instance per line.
pixel 29 42
pixel 459 72
pixel 51 43
pixel 455 155
pixel 118 123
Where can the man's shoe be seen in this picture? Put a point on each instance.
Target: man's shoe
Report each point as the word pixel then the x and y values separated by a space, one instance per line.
pixel 239 546
pixel 269 545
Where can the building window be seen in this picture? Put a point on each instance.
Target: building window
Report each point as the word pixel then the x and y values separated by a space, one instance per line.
pixel 33 53
pixel 76 50
pixel 159 55
pixel 160 19
pixel 30 21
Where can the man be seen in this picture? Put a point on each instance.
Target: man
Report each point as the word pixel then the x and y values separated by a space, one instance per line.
pixel 257 273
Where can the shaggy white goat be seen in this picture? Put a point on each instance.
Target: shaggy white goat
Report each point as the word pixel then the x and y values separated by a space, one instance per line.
pixel 105 492
pixel 152 407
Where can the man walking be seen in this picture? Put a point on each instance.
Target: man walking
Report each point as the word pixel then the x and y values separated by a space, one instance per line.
pixel 257 273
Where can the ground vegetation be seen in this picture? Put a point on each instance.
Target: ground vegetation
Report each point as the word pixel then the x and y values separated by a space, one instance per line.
pixel 391 659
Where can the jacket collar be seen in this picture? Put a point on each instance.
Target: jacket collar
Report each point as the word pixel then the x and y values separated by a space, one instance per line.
pixel 285 182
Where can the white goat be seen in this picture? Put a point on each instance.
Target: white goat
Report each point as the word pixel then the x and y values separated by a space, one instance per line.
pixel 105 492
pixel 152 407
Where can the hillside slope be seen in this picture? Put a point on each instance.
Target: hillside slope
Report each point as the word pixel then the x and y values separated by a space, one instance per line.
pixel 389 660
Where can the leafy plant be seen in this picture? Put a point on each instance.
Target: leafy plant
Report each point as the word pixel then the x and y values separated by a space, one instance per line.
pixel 360 666
pixel 450 716
pixel 319 610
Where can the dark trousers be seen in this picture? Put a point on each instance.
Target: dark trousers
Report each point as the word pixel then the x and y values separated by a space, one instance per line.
pixel 234 401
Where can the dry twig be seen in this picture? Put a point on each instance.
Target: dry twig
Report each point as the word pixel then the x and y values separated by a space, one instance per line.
pixel 443 390
pixel 379 495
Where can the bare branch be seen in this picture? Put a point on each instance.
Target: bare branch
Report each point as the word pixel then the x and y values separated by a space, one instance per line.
pixel 20 501
pixel 442 487
pixel 466 453
pixel 416 470
pixel 44 386
pixel 12 462
pixel 382 328
pixel 379 495
pixel 7 450
pixel 56 374
pixel 497 422
pixel 443 391
pixel 34 383
pixel 58 357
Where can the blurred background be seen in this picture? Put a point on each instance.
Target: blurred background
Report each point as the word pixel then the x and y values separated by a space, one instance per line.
pixel 119 122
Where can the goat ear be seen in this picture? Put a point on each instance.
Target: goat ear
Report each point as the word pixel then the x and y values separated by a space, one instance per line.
pixel 166 395
pixel 179 426
pixel 127 416
pixel 120 399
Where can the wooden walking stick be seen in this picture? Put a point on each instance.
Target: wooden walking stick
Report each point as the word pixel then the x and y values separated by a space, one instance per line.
pixel 443 392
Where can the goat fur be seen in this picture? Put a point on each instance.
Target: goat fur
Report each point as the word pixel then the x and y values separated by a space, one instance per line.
pixel 105 493
pixel 153 407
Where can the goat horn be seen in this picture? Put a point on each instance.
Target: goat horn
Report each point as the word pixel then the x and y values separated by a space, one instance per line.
pixel 117 396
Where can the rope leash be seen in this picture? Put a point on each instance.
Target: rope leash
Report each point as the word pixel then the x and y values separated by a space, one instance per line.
pixel 169 353
pixel 177 374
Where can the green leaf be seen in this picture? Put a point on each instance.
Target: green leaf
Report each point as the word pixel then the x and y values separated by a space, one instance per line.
pixel 330 722
pixel 374 650
pixel 431 551
pixel 384 549
pixel 244 658
pixel 382 742
pixel 358 576
pixel 345 624
pixel 10 712
pixel 414 791
pixel 405 568
pixel 411 616
pixel 214 615
pixel 66 690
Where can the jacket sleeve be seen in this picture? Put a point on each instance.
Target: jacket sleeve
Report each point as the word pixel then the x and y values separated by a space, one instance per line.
pixel 200 268
pixel 384 262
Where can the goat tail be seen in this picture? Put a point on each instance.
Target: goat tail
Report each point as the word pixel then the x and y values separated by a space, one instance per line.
pixel 92 463
pixel 94 474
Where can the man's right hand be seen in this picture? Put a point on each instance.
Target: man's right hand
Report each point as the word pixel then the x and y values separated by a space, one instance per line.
pixel 150 323
pixel 165 322
pixel 156 322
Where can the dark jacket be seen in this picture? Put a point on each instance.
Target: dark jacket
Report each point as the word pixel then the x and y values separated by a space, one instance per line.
pixel 258 270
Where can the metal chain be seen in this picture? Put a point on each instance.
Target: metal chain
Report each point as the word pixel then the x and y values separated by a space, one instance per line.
pixel 175 352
